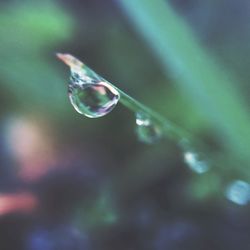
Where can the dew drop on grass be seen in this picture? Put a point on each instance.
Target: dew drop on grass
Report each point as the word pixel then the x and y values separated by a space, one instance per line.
pixel 146 130
pixel 238 192
pixel 195 162
pixel 89 94
pixel 93 99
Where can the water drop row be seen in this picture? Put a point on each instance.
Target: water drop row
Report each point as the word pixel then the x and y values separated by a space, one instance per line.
pixel 94 97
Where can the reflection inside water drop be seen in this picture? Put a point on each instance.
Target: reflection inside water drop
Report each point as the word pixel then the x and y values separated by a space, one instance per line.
pixel 146 130
pixel 89 94
pixel 195 162
pixel 238 192
pixel 93 99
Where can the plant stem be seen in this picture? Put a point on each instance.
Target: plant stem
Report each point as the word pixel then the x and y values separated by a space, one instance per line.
pixel 170 129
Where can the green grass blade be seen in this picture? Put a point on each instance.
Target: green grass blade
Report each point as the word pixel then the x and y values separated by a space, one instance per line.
pixel 208 86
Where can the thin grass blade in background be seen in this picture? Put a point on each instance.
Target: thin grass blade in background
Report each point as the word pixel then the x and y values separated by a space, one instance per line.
pixel 196 73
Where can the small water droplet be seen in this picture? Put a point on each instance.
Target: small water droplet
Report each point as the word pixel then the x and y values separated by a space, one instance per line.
pixel 89 94
pixel 238 192
pixel 93 99
pixel 146 130
pixel 195 162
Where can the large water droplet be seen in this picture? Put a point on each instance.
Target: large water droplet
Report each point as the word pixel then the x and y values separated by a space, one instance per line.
pixel 146 130
pixel 93 99
pixel 196 162
pixel 238 192
pixel 89 94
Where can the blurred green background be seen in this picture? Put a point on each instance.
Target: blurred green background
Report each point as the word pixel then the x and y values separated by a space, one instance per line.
pixel 186 59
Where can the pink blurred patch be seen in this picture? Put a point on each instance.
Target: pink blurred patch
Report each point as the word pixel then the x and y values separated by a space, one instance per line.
pixel 31 144
pixel 20 202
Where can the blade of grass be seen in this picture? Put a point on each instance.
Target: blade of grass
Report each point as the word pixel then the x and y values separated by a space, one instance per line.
pixel 169 129
pixel 208 86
